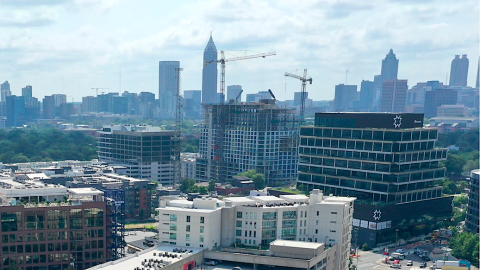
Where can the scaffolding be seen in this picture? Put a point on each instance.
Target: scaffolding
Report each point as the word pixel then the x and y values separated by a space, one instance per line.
pixel 115 220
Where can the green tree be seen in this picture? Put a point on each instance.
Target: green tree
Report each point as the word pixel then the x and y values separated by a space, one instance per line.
pixel 202 190
pixel 211 185
pixel 454 164
pixel 449 187
pixel 465 245
pixel 259 181
pixel 365 247
pixel 186 184
pixel 459 200
pixel 470 165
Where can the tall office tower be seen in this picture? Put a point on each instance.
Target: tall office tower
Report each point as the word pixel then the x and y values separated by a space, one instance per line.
pixel 146 151
pixel 232 92
pixel 394 96
pixel 257 221
pixel 459 71
pixel 89 104
pixel 41 230
pixel 389 67
pixel 27 93
pixel 377 85
pixel 345 96
pixel 209 73
pixel 472 221
pixel 59 99
pixel 15 111
pixel 297 98
pixel 250 98
pixel 389 162
pixel 258 136
pixel 367 95
pixel 48 107
pixel 437 98
pixel 5 92
pixel 168 84
pixel 193 103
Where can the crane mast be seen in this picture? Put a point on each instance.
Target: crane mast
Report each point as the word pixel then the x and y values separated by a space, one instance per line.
pixel 304 79
pixel 178 132
pixel 219 160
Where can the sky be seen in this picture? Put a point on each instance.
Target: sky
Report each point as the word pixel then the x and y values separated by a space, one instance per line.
pixel 70 46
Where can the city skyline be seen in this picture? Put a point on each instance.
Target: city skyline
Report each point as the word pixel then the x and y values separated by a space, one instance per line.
pixel 60 39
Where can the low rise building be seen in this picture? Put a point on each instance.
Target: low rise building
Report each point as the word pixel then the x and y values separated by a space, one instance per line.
pixel 257 221
pixel 188 163
pixel 46 226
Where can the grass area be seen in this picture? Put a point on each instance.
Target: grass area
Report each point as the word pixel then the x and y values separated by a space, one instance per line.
pixel 141 226
pixel 286 189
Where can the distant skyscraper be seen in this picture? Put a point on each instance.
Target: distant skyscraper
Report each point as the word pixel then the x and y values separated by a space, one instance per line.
pixel 233 91
pixel 377 85
pixel 297 98
pixel 27 94
pixel 389 67
pixel 193 103
pixel 49 107
pixel 459 71
pixel 367 95
pixel 209 74
pixel 250 98
pixel 345 96
pixel 394 95
pixel 89 104
pixel 15 111
pixel 167 89
pixel 437 98
pixel 5 90
pixel 59 99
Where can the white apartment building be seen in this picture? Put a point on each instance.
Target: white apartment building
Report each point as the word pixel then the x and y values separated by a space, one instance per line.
pixel 188 163
pixel 257 221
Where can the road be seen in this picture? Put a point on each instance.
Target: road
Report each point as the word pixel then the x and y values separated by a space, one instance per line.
pixel 370 260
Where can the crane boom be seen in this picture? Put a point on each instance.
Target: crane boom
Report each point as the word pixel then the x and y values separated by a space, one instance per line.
pixel 221 109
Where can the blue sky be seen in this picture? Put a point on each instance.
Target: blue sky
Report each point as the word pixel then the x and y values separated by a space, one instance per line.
pixel 88 42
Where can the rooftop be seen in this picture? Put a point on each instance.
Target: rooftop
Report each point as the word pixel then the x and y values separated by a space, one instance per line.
pixel 150 259
pixel 296 244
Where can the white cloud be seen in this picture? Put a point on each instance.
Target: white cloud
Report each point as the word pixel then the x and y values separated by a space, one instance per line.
pixel 96 38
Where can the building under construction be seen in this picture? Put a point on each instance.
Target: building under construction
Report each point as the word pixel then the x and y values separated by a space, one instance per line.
pixel 256 136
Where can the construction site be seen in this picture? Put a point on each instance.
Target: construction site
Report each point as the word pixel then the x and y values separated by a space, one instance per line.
pixel 256 136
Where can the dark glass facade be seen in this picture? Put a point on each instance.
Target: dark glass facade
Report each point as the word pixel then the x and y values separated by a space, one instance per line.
pixel 385 160
pixel 51 238
pixel 472 223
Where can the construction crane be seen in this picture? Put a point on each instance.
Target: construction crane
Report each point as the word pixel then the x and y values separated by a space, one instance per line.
pixel 96 89
pixel 178 131
pixel 221 110
pixel 303 95
pixel 238 96
pixel 271 94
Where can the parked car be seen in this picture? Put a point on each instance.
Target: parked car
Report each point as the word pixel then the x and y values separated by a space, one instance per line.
pixel 236 268
pixel 400 250
pixel 391 258
pixel 410 263
pixel 423 265
pixel 212 262
pixel 396 266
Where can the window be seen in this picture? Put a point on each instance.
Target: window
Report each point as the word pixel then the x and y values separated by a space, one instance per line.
pixel 201 239
pixel 239 214
pixel 318 212
pixel 188 237
pixel 333 231
pixel 173 236
pixel 238 232
pixel 316 222
pixel 187 228
pixel 188 218
pixel 202 219
pixel 173 227
pixel 333 213
pixel 173 217
pixel 239 224
pixel 202 229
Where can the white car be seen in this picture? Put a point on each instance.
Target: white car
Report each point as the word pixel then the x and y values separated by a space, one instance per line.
pixel 400 250
pixel 410 263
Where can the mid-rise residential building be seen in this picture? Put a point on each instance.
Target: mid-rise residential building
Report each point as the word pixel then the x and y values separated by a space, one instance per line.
pixel 89 104
pixel 394 95
pixel 51 227
pixel 257 136
pixel 146 151
pixel 209 73
pixel 437 98
pixel 188 165
pixel 388 161
pixel 459 71
pixel 257 221
pixel 472 222
pixel 345 96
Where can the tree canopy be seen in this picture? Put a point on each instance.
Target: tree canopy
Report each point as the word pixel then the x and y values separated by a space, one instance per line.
pixel 34 145
pixel 465 245
pixel 257 178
